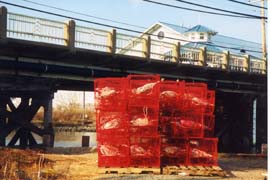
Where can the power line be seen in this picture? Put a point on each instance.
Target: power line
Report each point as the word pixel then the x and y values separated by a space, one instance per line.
pixel 222 10
pixel 124 23
pixel 196 10
pixel 117 27
pixel 252 5
pixel 83 14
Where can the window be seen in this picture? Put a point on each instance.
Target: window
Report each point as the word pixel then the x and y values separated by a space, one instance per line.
pixel 201 35
pixel 192 36
pixel 160 35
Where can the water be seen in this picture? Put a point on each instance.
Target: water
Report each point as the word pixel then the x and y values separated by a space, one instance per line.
pixel 65 139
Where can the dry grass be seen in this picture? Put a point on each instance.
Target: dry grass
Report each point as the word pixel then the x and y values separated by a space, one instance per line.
pixel 71 113
pixel 37 165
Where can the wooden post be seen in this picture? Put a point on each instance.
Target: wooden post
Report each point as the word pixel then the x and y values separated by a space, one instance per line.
pixel 203 57
pixel 111 42
pixel 85 141
pixel 48 139
pixel 176 52
pixel 247 64
pixel 226 60
pixel 3 22
pixel 265 66
pixel 69 34
pixel 146 47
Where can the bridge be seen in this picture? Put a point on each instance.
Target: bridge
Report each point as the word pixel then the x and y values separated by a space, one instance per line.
pixel 40 56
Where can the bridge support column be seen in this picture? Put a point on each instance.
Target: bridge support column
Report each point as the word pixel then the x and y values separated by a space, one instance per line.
pixel 3 22
pixel 3 110
pixel 48 139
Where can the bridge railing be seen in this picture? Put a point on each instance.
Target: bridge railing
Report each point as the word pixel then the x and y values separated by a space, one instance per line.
pixel 257 66
pixel 161 50
pixel 69 34
pixel 129 45
pixel 238 63
pixel 91 38
pixel 191 56
pixel 35 29
pixel 215 60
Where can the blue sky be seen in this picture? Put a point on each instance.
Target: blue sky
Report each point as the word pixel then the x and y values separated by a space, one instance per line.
pixel 145 14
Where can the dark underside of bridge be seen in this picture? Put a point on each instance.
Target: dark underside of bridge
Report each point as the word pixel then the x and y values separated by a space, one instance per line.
pixel 37 70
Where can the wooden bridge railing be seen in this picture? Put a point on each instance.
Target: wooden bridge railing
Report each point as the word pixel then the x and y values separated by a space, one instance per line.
pixel 29 28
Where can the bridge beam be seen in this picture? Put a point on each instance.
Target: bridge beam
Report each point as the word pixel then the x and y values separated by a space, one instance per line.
pixel 3 22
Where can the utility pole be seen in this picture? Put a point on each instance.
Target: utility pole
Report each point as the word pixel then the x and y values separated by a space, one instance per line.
pixel 262 27
pixel 263 31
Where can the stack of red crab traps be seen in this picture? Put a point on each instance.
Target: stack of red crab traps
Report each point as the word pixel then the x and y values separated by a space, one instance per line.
pixel 186 124
pixel 145 122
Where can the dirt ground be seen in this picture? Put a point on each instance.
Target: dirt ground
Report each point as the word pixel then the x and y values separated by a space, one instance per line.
pixel 81 164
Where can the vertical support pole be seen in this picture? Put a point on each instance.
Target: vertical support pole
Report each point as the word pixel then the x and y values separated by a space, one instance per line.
pixel 263 30
pixel 226 60
pixel 3 22
pixel 111 42
pixel 146 47
pixel 247 64
pixel 264 67
pixel 203 57
pixel 85 141
pixel 69 34
pixel 2 120
pixel 48 139
pixel 176 52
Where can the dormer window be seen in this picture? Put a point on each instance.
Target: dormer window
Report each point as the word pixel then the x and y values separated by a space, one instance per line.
pixel 192 36
pixel 201 35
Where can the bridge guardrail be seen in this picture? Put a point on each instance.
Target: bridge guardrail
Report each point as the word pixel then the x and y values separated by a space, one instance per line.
pixel 238 63
pixel 190 55
pixel 161 50
pixel 35 29
pixel 129 45
pixel 30 28
pixel 91 38
pixel 215 60
pixel 257 66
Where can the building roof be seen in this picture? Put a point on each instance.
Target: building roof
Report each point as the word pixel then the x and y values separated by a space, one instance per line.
pixel 225 41
pixel 180 29
pixel 201 28
pixel 200 45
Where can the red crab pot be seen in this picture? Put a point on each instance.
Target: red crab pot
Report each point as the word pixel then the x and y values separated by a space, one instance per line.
pixel 143 120
pixel 143 89
pixel 110 93
pixel 203 151
pixel 170 94
pixel 113 151
pixel 195 97
pixel 174 152
pixel 111 122
pixel 145 151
